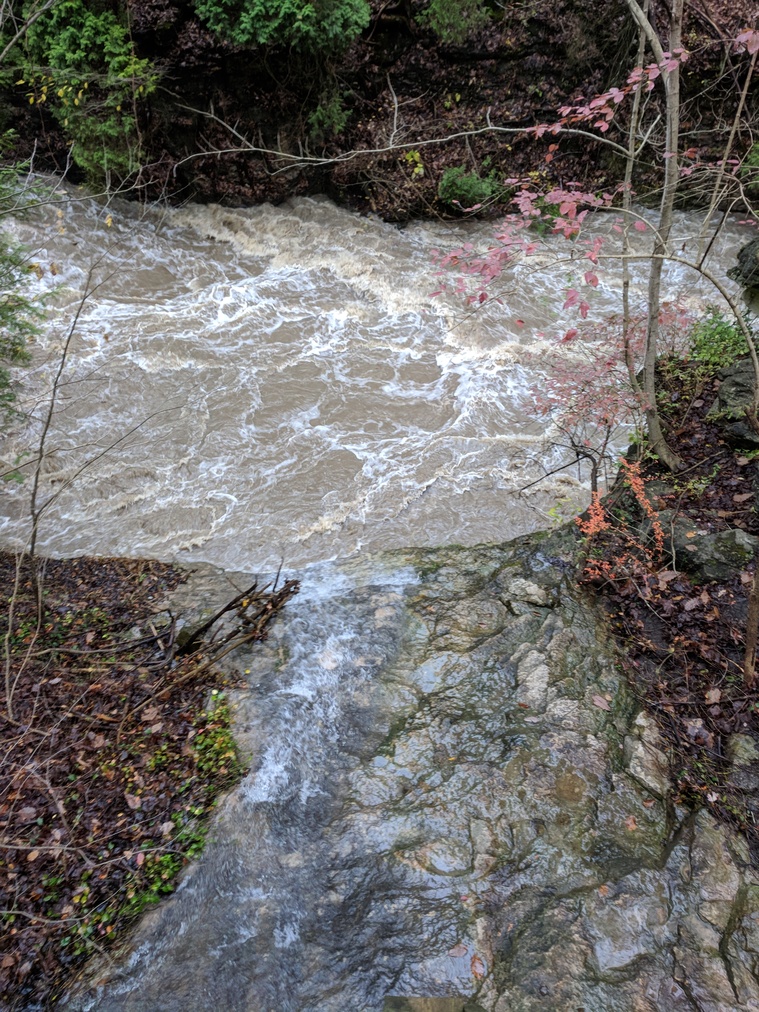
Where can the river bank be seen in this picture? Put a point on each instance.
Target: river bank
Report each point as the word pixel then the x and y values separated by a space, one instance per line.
pixel 116 745
pixel 242 124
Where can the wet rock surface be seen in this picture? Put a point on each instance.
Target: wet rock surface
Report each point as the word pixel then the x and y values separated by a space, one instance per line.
pixel 747 271
pixel 705 556
pixel 735 396
pixel 452 793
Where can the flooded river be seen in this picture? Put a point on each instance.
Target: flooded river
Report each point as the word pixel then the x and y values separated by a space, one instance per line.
pixel 276 384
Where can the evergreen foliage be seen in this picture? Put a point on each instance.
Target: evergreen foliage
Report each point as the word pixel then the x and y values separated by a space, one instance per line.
pixel 20 313
pixel 466 189
pixel 329 117
pixel 78 58
pixel 318 26
pixel 453 21
pixel 18 319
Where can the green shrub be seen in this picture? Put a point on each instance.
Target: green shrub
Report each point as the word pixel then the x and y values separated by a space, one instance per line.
pixel 318 25
pixel 20 313
pixel 466 189
pixel 329 117
pixel 18 319
pixel 750 171
pixel 453 21
pixel 717 342
pixel 79 61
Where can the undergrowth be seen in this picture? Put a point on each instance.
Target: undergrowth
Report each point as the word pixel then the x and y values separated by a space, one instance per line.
pixel 683 632
pixel 118 752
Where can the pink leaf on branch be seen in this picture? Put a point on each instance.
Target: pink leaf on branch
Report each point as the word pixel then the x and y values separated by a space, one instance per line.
pixel 748 40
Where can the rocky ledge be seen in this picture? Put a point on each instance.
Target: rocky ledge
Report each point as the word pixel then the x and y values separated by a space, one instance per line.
pixel 453 792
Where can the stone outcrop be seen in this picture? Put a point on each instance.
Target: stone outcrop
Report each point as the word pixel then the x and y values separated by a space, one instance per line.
pixel 452 793
pixel 735 396
pixel 705 556
pixel 747 271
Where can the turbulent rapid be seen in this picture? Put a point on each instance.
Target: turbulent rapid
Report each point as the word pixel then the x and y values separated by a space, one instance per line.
pixel 276 384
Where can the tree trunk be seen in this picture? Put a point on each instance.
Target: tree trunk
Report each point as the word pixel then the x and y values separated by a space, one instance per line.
pixel 666 212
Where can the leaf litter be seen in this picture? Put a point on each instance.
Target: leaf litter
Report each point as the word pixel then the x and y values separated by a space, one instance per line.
pixel 118 749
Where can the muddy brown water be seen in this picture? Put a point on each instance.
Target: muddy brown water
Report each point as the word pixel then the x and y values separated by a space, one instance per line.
pixel 276 384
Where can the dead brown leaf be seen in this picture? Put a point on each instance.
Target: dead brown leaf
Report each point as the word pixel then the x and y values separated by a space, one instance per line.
pixel 694 728
pixel 477 967
pixel 665 576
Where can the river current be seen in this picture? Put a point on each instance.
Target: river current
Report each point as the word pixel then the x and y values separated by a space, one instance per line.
pixel 433 788
pixel 250 387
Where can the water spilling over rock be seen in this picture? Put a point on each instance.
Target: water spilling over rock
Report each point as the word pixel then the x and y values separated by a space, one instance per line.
pixel 452 793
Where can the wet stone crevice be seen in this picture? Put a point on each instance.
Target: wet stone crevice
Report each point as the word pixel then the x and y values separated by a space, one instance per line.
pixel 453 795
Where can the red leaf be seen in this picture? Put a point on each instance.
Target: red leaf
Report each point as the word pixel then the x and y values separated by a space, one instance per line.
pixel 601 703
